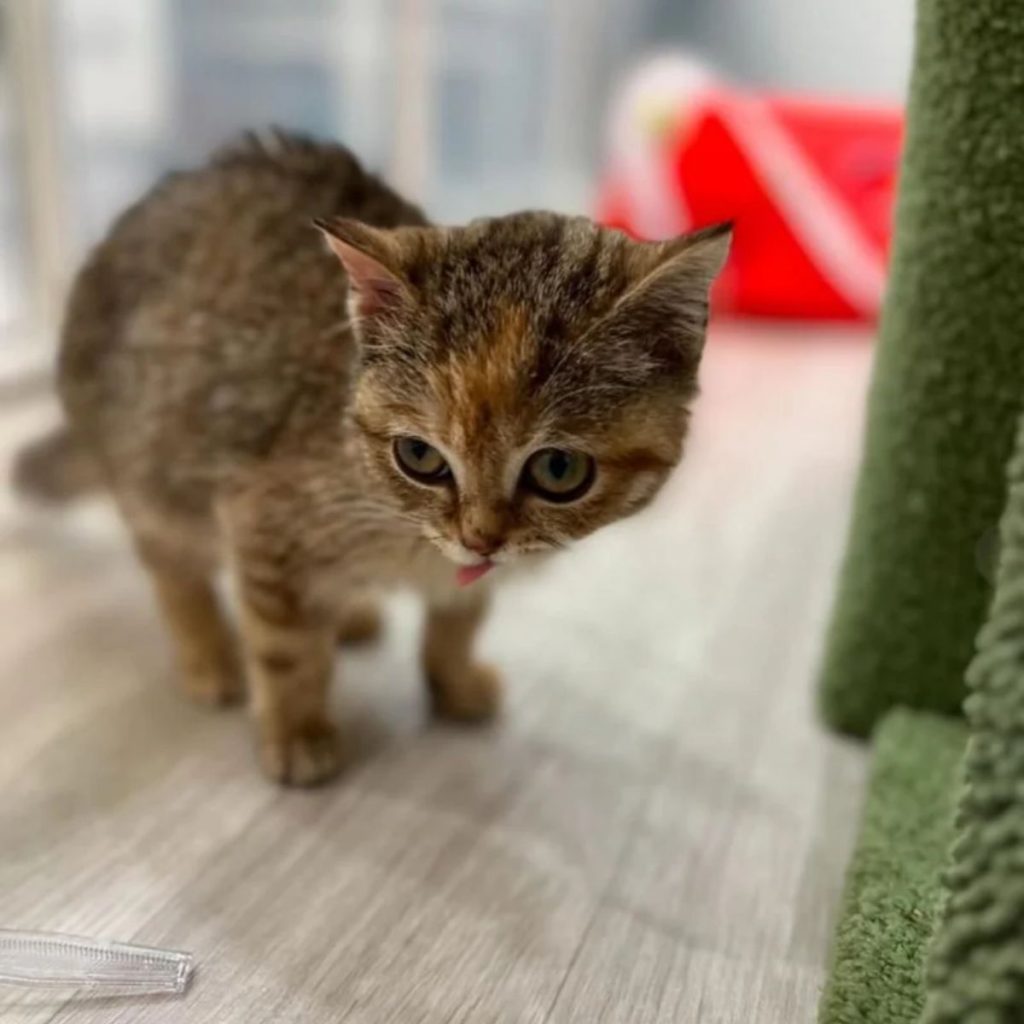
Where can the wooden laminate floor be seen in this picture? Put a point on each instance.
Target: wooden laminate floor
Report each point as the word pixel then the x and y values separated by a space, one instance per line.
pixel 655 833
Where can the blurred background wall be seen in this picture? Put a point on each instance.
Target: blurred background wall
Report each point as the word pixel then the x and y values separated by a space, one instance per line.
pixel 470 106
pixel 844 49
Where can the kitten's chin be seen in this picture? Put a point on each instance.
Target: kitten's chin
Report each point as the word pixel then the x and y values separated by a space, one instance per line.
pixel 469 567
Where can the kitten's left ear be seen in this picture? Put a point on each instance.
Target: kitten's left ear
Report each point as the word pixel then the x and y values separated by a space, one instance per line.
pixel 371 263
pixel 672 282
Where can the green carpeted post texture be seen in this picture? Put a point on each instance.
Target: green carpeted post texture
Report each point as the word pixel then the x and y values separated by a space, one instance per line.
pixel 908 903
pixel 948 379
pixel 976 974
pixel 893 891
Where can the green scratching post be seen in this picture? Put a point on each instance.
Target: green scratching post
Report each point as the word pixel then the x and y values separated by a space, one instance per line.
pixel 948 380
pixel 976 971
pixel 893 892
pixel 929 936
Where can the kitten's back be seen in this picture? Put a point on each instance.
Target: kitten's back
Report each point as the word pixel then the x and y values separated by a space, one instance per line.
pixel 210 306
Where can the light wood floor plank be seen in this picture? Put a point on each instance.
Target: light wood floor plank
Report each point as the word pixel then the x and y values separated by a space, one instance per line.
pixel 631 971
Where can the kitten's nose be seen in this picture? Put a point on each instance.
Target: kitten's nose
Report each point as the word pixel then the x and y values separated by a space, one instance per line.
pixel 480 543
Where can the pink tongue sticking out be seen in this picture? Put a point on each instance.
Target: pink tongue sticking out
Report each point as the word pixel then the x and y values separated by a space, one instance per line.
pixel 467 574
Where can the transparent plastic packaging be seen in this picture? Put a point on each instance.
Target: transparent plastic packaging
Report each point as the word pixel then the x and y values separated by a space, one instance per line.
pixel 44 960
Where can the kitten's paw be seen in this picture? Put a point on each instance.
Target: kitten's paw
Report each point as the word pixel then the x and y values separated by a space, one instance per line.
pixel 213 685
pixel 474 696
pixel 360 624
pixel 305 755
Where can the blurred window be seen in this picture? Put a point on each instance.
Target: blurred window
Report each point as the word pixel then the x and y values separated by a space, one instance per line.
pixel 14 255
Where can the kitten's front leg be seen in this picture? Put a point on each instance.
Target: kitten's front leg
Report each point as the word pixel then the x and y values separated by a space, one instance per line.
pixel 460 688
pixel 289 649
pixel 360 623
pixel 207 658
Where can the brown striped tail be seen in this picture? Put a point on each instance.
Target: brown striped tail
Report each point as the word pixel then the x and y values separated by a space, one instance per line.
pixel 55 469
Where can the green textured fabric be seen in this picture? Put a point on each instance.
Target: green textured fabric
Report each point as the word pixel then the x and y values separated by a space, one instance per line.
pixel 893 891
pixel 976 974
pixel 948 378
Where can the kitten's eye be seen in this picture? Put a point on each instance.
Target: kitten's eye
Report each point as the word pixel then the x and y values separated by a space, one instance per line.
pixel 420 460
pixel 558 475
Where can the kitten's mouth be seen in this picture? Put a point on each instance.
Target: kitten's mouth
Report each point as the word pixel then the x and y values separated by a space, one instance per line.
pixel 466 574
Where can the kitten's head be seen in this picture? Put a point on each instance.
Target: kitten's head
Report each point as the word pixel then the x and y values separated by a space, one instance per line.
pixel 524 380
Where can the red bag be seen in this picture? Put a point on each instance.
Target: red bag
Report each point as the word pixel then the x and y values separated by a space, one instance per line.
pixel 809 185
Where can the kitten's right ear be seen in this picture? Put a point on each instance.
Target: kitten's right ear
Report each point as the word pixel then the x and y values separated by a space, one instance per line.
pixel 371 263
pixel 671 288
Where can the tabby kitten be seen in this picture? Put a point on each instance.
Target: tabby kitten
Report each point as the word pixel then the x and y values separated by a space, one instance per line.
pixel 445 403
